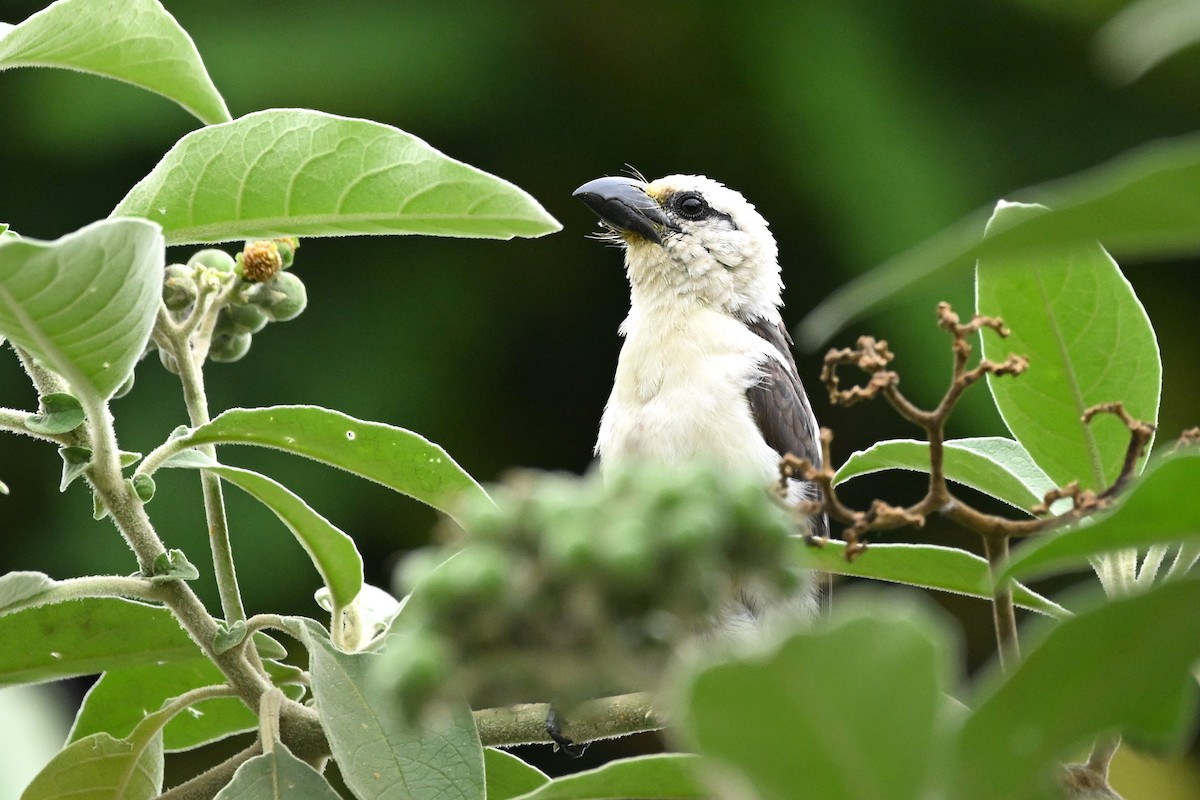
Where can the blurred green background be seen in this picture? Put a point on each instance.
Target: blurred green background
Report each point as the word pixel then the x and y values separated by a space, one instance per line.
pixel 858 128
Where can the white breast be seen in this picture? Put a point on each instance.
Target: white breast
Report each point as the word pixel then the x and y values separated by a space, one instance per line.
pixel 680 395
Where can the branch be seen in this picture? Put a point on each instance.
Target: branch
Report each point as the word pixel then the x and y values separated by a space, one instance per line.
pixel 873 356
pixel 603 718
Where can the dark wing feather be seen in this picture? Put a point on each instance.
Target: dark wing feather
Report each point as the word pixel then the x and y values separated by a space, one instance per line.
pixel 780 405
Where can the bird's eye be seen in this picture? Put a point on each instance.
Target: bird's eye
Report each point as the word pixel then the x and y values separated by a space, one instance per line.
pixel 691 205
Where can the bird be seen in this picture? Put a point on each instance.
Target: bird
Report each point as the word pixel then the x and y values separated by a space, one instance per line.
pixel 706 370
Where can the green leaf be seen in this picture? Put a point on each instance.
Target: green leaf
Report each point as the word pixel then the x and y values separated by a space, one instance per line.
pixel 665 776
pixel 84 304
pixel 397 458
pixel 1161 507
pixel 230 637
pixel 143 487
pixel 101 768
pixel 115 703
pixel 333 553
pixel 75 463
pixel 275 776
pixel 1143 203
pixel 268 647
pixel 88 636
pixel 135 41
pixel 508 776
pixel 1088 340
pixel 795 735
pixel 929 566
pixel 1144 34
pixel 62 413
pixel 16 587
pixel 1086 679
pixel 296 172
pixel 173 566
pixel 380 754
pixel 993 465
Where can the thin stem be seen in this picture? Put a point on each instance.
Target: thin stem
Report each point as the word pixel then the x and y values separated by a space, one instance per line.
pixel 154 459
pixel 268 719
pixel 44 380
pixel 156 721
pixel 104 473
pixel 192 379
pixel 1004 612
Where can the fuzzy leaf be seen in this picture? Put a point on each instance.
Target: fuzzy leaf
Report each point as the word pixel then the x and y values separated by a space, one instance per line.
pixel 88 636
pixel 993 465
pixel 381 754
pixel 101 768
pixel 114 704
pixel 1088 340
pixel 84 304
pixel 1143 34
pixel 135 41
pixel 275 776
pixel 508 776
pixel 793 735
pixel 1075 686
pixel 333 553
pixel 296 172
pixel 1143 203
pixel 16 587
pixel 229 637
pixel 397 458
pixel 1162 507
pixel 664 776
pixel 62 414
pixel 173 566
pixel 929 566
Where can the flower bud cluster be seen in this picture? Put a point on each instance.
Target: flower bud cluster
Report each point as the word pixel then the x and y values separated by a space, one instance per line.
pixel 574 587
pixel 252 289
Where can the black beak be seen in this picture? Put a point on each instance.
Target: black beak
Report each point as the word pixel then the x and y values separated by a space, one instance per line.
pixel 623 205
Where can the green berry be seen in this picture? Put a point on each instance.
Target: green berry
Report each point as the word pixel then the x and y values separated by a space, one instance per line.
pixel 143 487
pixel 179 287
pixel 247 318
pixel 227 347
pixel 212 258
pixel 282 298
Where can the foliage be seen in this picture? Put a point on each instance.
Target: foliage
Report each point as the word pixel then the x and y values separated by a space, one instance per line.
pixel 81 311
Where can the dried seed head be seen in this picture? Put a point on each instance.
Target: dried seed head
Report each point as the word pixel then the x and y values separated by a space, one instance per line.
pixel 260 261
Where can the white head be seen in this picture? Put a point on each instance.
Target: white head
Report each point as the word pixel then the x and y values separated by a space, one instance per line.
pixel 690 239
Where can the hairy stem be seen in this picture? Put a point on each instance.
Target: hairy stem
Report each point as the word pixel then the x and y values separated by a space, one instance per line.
pixel 44 380
pixel 90 586
pixel 191 378
pixel 206 785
